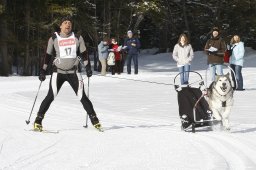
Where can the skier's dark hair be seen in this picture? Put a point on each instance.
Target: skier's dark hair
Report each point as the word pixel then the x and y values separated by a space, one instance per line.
pixel 66 18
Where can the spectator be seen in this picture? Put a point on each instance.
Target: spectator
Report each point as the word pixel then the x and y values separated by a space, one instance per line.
pixel 103 55
pixel 236 61
pixel 215 48
pixel 183 54
pixel 132 45
pixel 116 49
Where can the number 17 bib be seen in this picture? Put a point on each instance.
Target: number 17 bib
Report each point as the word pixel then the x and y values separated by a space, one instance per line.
pixel 67 46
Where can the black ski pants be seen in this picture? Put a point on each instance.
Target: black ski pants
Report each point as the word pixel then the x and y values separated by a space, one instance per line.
pixel 76 82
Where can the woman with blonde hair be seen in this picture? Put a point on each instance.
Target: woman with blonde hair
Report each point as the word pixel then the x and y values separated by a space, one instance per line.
pixel 237 60
pixel 183 55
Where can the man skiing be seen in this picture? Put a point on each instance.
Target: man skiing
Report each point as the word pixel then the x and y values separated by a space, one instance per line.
pixel 67 47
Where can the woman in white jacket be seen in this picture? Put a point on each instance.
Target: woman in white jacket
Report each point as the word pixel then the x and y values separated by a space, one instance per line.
pixel 183 55
pixel 237 60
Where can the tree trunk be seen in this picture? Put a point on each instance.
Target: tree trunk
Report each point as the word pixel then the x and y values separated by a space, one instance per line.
pixel 218 12
pixel 109 18
pixel 139 19
pixel 185 17
pixel 118 22
pixel 171 24
pixel 38 51
pixel 27 22
pixel 95 41
pixel 4 64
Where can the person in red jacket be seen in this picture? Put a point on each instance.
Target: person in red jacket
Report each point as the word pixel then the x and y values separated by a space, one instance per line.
pixel 116 49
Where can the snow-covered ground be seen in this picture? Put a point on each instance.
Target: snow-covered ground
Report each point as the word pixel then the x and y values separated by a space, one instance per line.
pixel 142 127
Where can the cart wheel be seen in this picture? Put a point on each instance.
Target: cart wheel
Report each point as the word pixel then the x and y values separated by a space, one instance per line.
pixel 193 128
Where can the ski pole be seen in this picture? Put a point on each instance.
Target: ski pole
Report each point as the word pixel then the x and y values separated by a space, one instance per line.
pixel 86 125
pixel 28 121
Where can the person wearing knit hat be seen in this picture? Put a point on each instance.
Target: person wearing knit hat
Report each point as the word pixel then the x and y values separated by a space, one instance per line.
pixel 67 49
pixel 67 18
pixel 215 29
pixel 215 48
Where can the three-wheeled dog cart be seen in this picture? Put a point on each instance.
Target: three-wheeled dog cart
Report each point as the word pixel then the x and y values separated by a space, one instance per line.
pixel 193 108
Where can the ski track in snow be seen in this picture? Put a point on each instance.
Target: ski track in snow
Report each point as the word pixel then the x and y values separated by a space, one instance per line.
pixel 142 128
pixel 28 160
pixel 235 154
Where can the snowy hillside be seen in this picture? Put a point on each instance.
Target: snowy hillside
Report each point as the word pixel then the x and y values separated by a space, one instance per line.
pixel 142 127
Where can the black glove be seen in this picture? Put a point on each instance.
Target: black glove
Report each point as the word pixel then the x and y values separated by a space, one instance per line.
pixel 88 70
pixel 42 75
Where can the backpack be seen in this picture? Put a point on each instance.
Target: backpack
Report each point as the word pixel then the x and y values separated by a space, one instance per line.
pixel 228 54
pixel 111 59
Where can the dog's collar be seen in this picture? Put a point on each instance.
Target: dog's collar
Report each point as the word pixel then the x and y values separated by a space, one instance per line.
pixel 224 103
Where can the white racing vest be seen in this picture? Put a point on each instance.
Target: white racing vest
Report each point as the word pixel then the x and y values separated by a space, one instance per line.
pixel 67 46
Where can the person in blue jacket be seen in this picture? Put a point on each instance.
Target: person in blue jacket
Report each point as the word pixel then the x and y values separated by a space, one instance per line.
pixel 132 45
pixel 237 60
pixel 103 55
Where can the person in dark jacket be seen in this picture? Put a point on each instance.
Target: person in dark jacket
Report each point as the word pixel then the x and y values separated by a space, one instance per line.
pixel 215 48
pixel 67 47
pixel 132 45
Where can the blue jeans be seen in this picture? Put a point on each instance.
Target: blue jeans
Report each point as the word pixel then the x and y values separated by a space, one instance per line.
pixel 129 59
pixel 184 73
pixel 238 75
pixel 214 68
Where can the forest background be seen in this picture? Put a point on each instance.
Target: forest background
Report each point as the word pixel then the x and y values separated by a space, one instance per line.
pixel 26 25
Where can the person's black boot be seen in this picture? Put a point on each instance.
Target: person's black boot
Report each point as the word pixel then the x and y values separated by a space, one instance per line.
pixel 95 122
pixel 38 124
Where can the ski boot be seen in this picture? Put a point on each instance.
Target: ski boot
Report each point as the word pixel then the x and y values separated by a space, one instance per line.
pixel 95 122
pixel 38 124
pixel 98 127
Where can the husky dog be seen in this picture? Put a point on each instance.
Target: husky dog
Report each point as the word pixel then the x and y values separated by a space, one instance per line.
pixel 220 99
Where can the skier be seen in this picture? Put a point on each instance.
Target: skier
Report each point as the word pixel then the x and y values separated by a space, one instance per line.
pixel 67 47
